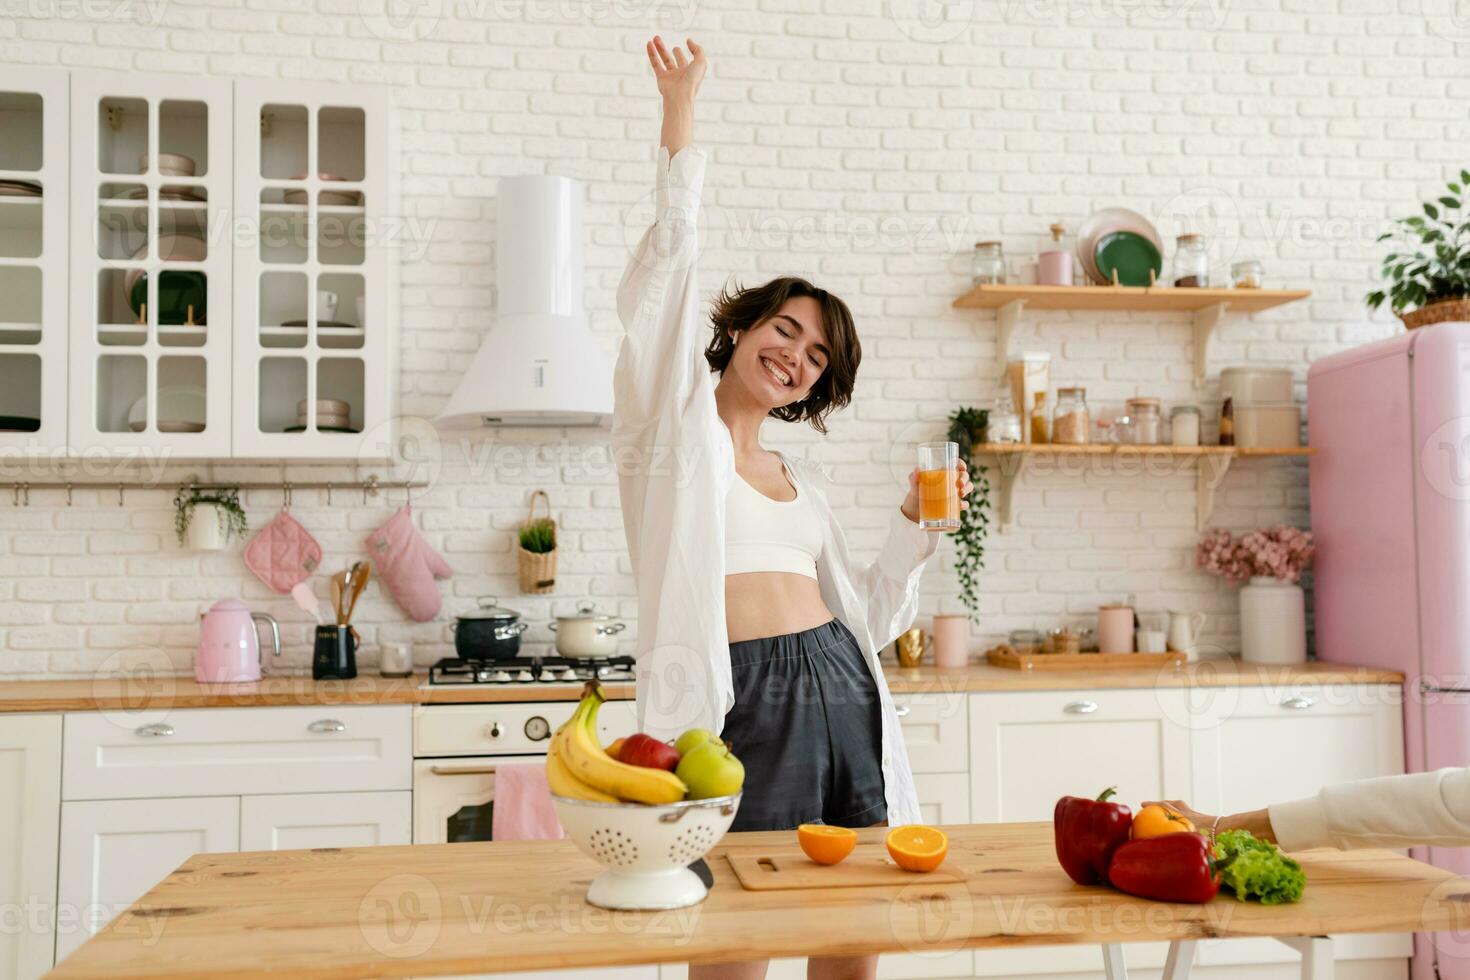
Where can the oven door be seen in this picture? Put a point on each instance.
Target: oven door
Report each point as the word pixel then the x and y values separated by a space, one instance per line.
pixel 454 799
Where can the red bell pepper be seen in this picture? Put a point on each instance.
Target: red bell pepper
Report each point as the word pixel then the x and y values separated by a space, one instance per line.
pixel 1087 833
pixel 1172 868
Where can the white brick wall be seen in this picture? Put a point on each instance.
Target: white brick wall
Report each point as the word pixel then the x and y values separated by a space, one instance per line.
pixel 863 143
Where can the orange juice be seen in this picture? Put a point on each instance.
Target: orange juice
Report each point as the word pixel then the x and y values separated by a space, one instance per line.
pixel 939 499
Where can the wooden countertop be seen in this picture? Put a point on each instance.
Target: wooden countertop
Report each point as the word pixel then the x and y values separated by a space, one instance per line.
pixel 149 690
pixel 435 910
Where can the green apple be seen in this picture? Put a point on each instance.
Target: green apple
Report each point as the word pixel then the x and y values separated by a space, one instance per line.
pixel 711 769
pixel 691 738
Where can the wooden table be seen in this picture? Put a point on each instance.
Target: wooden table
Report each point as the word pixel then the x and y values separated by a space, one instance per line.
pixel 436 910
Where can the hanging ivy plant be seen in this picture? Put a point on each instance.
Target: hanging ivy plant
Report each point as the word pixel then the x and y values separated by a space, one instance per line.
pixel 228 512
pixel 967 428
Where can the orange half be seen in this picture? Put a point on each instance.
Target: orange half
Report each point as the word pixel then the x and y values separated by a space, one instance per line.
pixel 824 844
pixel 916 847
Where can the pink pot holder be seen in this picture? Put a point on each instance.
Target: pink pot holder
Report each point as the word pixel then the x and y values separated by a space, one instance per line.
pixel 408 566
pixel 283 554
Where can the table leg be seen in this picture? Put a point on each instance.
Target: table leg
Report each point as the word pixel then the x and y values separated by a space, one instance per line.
pixel 1181 958
pixel 1113 964
pixel 1317 961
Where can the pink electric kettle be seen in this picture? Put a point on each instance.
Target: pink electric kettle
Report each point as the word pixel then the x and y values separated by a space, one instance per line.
pixel 229 646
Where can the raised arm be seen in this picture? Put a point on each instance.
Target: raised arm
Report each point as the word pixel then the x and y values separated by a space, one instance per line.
pixel 679 76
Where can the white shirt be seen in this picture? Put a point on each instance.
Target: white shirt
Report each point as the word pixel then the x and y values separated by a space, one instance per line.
pixel 676 465
pixel 1390 811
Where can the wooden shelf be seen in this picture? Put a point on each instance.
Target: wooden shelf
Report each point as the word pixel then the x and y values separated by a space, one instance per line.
pixel 1210 463
pixel 1208 307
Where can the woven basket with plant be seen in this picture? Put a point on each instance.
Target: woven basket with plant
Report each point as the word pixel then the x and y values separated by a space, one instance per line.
pixel 1429 268
pixel 537 570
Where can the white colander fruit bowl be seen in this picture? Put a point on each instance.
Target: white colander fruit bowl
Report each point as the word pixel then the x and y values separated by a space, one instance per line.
pixel 646 848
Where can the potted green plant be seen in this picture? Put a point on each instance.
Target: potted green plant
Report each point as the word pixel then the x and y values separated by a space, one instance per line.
pixel 537 557
pixel 1429 269
pixel 967 428
pixel 206 520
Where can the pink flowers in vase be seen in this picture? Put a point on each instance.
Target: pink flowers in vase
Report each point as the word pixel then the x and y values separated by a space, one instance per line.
pixel 1282 552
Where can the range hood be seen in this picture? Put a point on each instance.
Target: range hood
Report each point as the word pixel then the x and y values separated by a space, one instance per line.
pixel 539 364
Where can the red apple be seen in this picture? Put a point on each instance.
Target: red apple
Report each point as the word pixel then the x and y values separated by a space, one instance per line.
pixel 645 750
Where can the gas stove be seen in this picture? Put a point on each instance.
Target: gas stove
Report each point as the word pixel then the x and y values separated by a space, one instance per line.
pixel 531 670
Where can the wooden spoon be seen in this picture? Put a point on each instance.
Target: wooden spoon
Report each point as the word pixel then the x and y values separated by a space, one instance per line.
pixel 337 599
pixel 361 573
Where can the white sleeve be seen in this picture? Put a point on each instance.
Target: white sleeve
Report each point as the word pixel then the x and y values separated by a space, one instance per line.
pixel 1420 808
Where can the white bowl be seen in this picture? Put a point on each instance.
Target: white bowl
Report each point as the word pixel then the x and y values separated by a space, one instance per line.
pixel 646 848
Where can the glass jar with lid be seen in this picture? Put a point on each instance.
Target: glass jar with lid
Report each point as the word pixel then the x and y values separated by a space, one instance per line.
pixel 988 266
pixel 1184 425
pixel 1145 425
pixel 1191 261
pixel 1072 423
pixel 1247 274
pixel 1004 424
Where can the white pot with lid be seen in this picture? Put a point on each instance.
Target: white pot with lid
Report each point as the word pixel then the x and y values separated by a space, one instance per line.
pixel 588 633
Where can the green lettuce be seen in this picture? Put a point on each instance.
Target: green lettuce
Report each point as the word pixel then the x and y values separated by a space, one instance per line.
pixel 1258 870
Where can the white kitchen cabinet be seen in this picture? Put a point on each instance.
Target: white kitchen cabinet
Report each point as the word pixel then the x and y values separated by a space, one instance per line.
pixel 315 290
pixel 151 263
pixel 1254 746
pixel 34 119
pixel 305 820
pixel 240 751
pixel 113 851
pixel 30 803
pixel 935 730
pixel 1027 750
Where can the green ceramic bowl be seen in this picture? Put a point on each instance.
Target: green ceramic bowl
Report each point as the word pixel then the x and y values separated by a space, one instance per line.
pixel 177 291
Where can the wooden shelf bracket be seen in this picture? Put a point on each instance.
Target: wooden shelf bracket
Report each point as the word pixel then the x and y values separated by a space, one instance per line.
pixel 1006 318
pixel 1206 322
pixel 1208 477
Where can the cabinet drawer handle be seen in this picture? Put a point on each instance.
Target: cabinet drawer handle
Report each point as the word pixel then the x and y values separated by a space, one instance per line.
pixel 1081 708
pixel 1298 703
pixel 327 726
pixel 902 710
pixel 154 731
pixel 471 771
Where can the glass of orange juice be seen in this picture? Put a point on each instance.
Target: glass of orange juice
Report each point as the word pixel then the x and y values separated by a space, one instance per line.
pixel 939 492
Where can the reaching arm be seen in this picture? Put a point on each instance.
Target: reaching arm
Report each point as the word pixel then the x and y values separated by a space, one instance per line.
pixel 1420 808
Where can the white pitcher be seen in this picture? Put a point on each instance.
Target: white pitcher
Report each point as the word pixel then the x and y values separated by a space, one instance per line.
pixel 1184 630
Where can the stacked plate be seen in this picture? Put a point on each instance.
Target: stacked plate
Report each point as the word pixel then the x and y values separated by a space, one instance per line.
pixel 19 188
pixel 328 198
pixel 1117 241
pixel 181 408
pixel 332 415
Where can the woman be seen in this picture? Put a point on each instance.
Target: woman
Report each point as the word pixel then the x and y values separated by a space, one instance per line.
pixel 1421 808
pixel 753 620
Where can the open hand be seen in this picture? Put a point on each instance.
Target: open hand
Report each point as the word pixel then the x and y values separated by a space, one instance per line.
pixel 910 506
pixel 678 74
pixel 1202 821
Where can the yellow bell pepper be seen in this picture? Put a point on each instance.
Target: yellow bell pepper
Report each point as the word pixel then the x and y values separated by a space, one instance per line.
pixel 1156 821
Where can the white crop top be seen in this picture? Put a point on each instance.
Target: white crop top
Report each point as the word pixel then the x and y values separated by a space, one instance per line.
pixel 765 535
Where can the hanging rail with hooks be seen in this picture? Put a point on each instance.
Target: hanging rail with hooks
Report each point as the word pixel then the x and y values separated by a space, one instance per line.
pixel 370 487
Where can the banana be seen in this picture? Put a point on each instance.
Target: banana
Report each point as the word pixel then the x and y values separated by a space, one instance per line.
pixel 577 746
pixel 561 781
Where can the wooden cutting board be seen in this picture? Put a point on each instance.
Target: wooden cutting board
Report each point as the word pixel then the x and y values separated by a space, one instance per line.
pixel 787 867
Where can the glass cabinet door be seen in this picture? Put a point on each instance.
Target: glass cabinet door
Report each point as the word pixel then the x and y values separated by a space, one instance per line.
pixel 152 254
pixel 33 260
pixel 312 314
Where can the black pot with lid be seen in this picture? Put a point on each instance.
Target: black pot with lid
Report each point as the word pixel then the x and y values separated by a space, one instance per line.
pixel 488 632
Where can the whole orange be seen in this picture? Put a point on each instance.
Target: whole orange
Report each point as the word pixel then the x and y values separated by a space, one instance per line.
pixel 824 844
pixel 915 847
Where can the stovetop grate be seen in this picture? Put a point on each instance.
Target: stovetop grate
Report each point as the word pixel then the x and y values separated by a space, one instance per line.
pixel 531 670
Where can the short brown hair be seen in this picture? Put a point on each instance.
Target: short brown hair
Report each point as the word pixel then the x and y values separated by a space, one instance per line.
pixel 740 309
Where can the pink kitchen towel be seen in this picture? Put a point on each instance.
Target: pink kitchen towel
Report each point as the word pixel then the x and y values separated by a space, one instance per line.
pixel 523 809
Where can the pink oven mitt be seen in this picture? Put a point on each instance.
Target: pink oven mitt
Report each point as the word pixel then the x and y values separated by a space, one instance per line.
pixel 408 566
pixel 283 554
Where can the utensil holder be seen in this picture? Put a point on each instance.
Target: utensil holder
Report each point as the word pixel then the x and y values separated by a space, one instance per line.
pixel 335 654
pixel 537 569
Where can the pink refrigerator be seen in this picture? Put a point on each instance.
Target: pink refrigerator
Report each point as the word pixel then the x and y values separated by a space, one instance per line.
pixel 1390 488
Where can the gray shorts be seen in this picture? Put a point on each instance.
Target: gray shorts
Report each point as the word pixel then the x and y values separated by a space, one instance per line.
pixel 808 726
